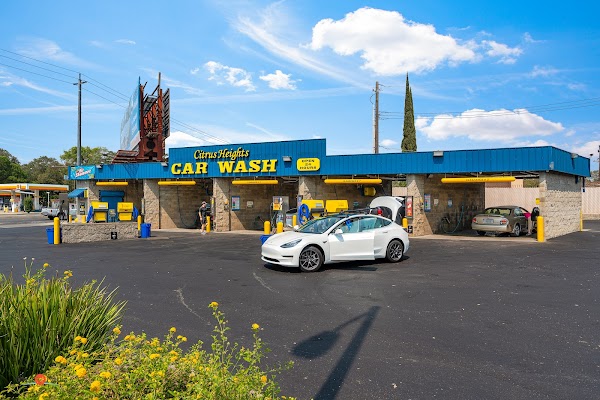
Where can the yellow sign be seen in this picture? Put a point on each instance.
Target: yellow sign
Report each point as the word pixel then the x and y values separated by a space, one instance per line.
pixel 479 179
pixel 343 181
pixel 308 164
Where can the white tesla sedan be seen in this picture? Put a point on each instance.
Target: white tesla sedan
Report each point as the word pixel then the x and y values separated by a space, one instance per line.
pixel 337 238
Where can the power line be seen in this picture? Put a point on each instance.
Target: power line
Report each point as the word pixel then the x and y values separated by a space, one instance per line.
pixel 35 73
pixel 40 61
pixel 37 66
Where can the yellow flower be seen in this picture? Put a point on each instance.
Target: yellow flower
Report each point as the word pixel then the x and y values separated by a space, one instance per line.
pixel 214 304
pixel 95 398
pixel 30 281
pixel 105 374
pixel 117 331
pixel 174 358
pixel 95 386
pixel 263 379
pixel 84 355
pixel 183 339
pixel 43 396
pixel 61 360
pixel 173 330
pixel 77 338
pixel 154 356
pixel 118 361
pixel 173 353
pixel 68 274
pixel 83 340
pixel 80 372
pixel 72 352
pixel 129 337
pixel 46 265
pixel 255 327
pixel 160 373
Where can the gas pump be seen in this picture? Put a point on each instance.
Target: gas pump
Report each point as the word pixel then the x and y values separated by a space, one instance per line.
pixel 279 207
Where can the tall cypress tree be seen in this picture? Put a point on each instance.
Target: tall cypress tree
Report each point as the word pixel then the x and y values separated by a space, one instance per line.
pixel 409 141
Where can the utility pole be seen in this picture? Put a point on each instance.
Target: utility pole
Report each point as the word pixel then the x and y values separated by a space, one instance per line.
pixel 79 83
pixel 376 120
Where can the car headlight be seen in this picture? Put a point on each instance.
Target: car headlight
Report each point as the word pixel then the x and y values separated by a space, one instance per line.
pixel 290 244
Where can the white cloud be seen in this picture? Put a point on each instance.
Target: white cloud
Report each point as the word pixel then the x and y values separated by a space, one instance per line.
pixel 265 33
pixel 576 86
pixel 181 139
pixel 236 77
pixel 500 127
pixel 7 79
pixel 389 44
pixel 527 38
pixel 507 55
pixel 543 71
pixel 388 143
pixel 44 49
pixel 588 148
pixel 279 80
pixel 125 41
pixel 195 71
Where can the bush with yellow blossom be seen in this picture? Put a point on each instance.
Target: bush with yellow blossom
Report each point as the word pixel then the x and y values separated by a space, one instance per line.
pixel 40 317
pixel 137 367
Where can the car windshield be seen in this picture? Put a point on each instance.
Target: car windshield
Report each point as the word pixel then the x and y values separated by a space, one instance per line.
pixel 498 211
pixel 320 225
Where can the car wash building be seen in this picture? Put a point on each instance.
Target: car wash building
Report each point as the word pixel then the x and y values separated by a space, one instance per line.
pixel 249 183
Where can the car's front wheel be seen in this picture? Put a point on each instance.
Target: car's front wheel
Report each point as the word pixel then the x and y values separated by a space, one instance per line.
pixel 395 251
pixel 481 233
pixel 311 259
pixel 516 230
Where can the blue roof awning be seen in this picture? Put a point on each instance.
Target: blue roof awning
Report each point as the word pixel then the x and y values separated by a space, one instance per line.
pixel 77 193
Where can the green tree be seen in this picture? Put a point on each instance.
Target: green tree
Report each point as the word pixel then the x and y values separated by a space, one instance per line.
pixel 12 158
pixel 28 204
pixel 89 155
pixel 409 141
pixel 46 170
pixel 11 172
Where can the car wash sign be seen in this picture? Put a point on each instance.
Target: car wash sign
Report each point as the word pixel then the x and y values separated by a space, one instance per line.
pixel 254 159
pixel 228 161
pixel 83 172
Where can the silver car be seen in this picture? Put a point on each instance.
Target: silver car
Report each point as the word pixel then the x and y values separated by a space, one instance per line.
pixel 501 219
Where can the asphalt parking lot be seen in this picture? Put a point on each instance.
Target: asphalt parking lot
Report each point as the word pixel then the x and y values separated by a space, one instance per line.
pixel 456 319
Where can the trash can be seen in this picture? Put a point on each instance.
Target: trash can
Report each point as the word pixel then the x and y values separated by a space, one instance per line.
pixel 146 230
pixel 50 234
pixel 263 238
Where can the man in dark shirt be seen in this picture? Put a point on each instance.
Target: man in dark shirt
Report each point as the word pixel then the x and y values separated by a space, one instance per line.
pixel 202 213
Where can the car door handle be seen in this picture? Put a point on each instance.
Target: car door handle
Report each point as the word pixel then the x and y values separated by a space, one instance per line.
pixel 385 232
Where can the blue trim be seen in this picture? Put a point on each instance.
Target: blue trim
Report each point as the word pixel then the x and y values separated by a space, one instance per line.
pixel 77 193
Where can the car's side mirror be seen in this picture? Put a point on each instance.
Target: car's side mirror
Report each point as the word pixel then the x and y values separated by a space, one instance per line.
pixel 338 231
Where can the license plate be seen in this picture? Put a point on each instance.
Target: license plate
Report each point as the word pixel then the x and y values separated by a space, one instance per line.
pixel 488 220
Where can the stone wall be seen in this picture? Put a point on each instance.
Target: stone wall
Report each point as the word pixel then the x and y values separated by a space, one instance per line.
pixel 454 200
pixel 78 233
pixel 560 203
pixel 151 210
pixel 179 204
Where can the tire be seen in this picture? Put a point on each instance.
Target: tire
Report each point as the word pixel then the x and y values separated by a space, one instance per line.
pixel 395 251
pixel 481 233
pixel 516 232
pixel 50 217
pixel 311 259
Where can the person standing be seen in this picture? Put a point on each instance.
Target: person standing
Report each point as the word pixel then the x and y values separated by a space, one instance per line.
pixel 529 222
pixel 202 212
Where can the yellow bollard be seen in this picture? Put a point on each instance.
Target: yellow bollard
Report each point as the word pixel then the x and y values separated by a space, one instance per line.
pixel 56 230
pixel 207 224
pixel 405 223
pixel 294 220
pixel 82 219
pixel 540 229
pixel 139 221
pixel 267 228
pixel 70 218
pixel 279 227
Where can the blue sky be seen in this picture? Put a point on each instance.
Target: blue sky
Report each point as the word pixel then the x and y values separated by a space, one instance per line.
pixel 483 74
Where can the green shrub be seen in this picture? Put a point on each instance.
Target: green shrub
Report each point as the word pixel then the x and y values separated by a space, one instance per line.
pixel 40 318
pixel 141 368
pixel 28 204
